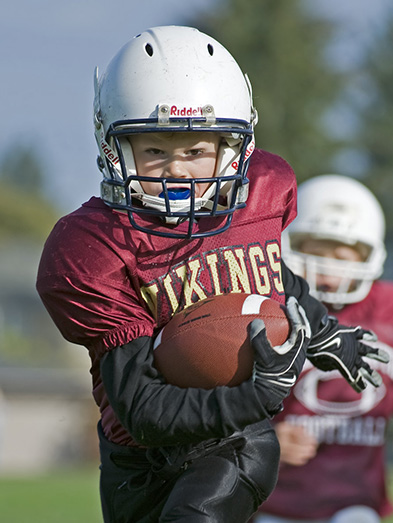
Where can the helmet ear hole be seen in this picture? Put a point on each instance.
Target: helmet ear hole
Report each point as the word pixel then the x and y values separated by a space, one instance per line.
pixel 149 49
pixel 210 49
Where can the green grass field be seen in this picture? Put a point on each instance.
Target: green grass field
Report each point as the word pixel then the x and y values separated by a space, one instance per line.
pixel 66 496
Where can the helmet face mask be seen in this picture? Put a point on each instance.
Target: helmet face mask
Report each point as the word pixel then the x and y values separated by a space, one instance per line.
pixel 336 211
pixel 174 80
pixel 352 278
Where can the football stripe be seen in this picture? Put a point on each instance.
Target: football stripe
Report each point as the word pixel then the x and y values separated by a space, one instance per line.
pixel 252 304
pixel 157 341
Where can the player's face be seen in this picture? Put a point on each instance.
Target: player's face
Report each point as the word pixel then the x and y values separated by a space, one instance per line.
pixel 334 250
pixel 175 155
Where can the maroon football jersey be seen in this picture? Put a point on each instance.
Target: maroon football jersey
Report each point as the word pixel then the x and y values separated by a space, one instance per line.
pixel 349 468
pixel 105 283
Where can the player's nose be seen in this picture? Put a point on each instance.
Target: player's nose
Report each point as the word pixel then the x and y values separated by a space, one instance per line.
pixel 327 283
pixel 175 168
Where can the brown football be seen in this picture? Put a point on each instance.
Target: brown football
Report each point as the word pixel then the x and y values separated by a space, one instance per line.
pixel 206 345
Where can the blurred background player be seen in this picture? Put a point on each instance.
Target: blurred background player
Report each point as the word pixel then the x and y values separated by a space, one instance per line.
pixel 333 440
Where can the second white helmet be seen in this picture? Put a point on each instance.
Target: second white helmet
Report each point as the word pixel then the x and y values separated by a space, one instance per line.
pixel 338 208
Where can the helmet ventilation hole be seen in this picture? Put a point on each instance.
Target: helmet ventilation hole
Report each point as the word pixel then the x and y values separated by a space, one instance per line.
pixel 210 49
pixel 149 49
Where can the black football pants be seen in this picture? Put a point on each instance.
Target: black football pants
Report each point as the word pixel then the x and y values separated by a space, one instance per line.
pixel 219 481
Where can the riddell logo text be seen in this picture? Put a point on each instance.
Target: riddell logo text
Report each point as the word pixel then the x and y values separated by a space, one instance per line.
pixel 109 153
pixel 186 111
pixel 250 149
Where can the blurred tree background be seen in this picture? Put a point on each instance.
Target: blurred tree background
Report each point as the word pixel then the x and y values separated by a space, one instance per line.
pixel 281 47
pixel 26 213
pixel 375 135
pixel 27 337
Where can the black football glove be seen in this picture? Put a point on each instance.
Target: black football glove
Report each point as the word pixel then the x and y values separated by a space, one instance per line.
pixel 338 347
pixel 276 369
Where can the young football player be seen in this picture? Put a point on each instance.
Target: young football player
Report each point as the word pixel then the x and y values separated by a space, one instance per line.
pixel 174 120
pixel 332 439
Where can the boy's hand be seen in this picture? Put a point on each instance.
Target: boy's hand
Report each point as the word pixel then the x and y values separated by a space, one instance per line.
pixel 339 347
pixel 276 369
pixel 297 445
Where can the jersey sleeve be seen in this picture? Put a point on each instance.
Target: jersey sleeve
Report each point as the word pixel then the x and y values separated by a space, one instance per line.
pixel 88 290
pixel 94 313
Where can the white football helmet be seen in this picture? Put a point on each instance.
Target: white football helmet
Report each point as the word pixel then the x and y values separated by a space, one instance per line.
pixel 338 208
pixel 174 79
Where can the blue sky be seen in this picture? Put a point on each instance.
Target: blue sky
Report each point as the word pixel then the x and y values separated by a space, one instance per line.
pixel 48 52
pixel 49 49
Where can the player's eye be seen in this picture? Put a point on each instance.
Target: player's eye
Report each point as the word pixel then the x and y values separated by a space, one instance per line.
pixel 153 151
pixel 195 152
